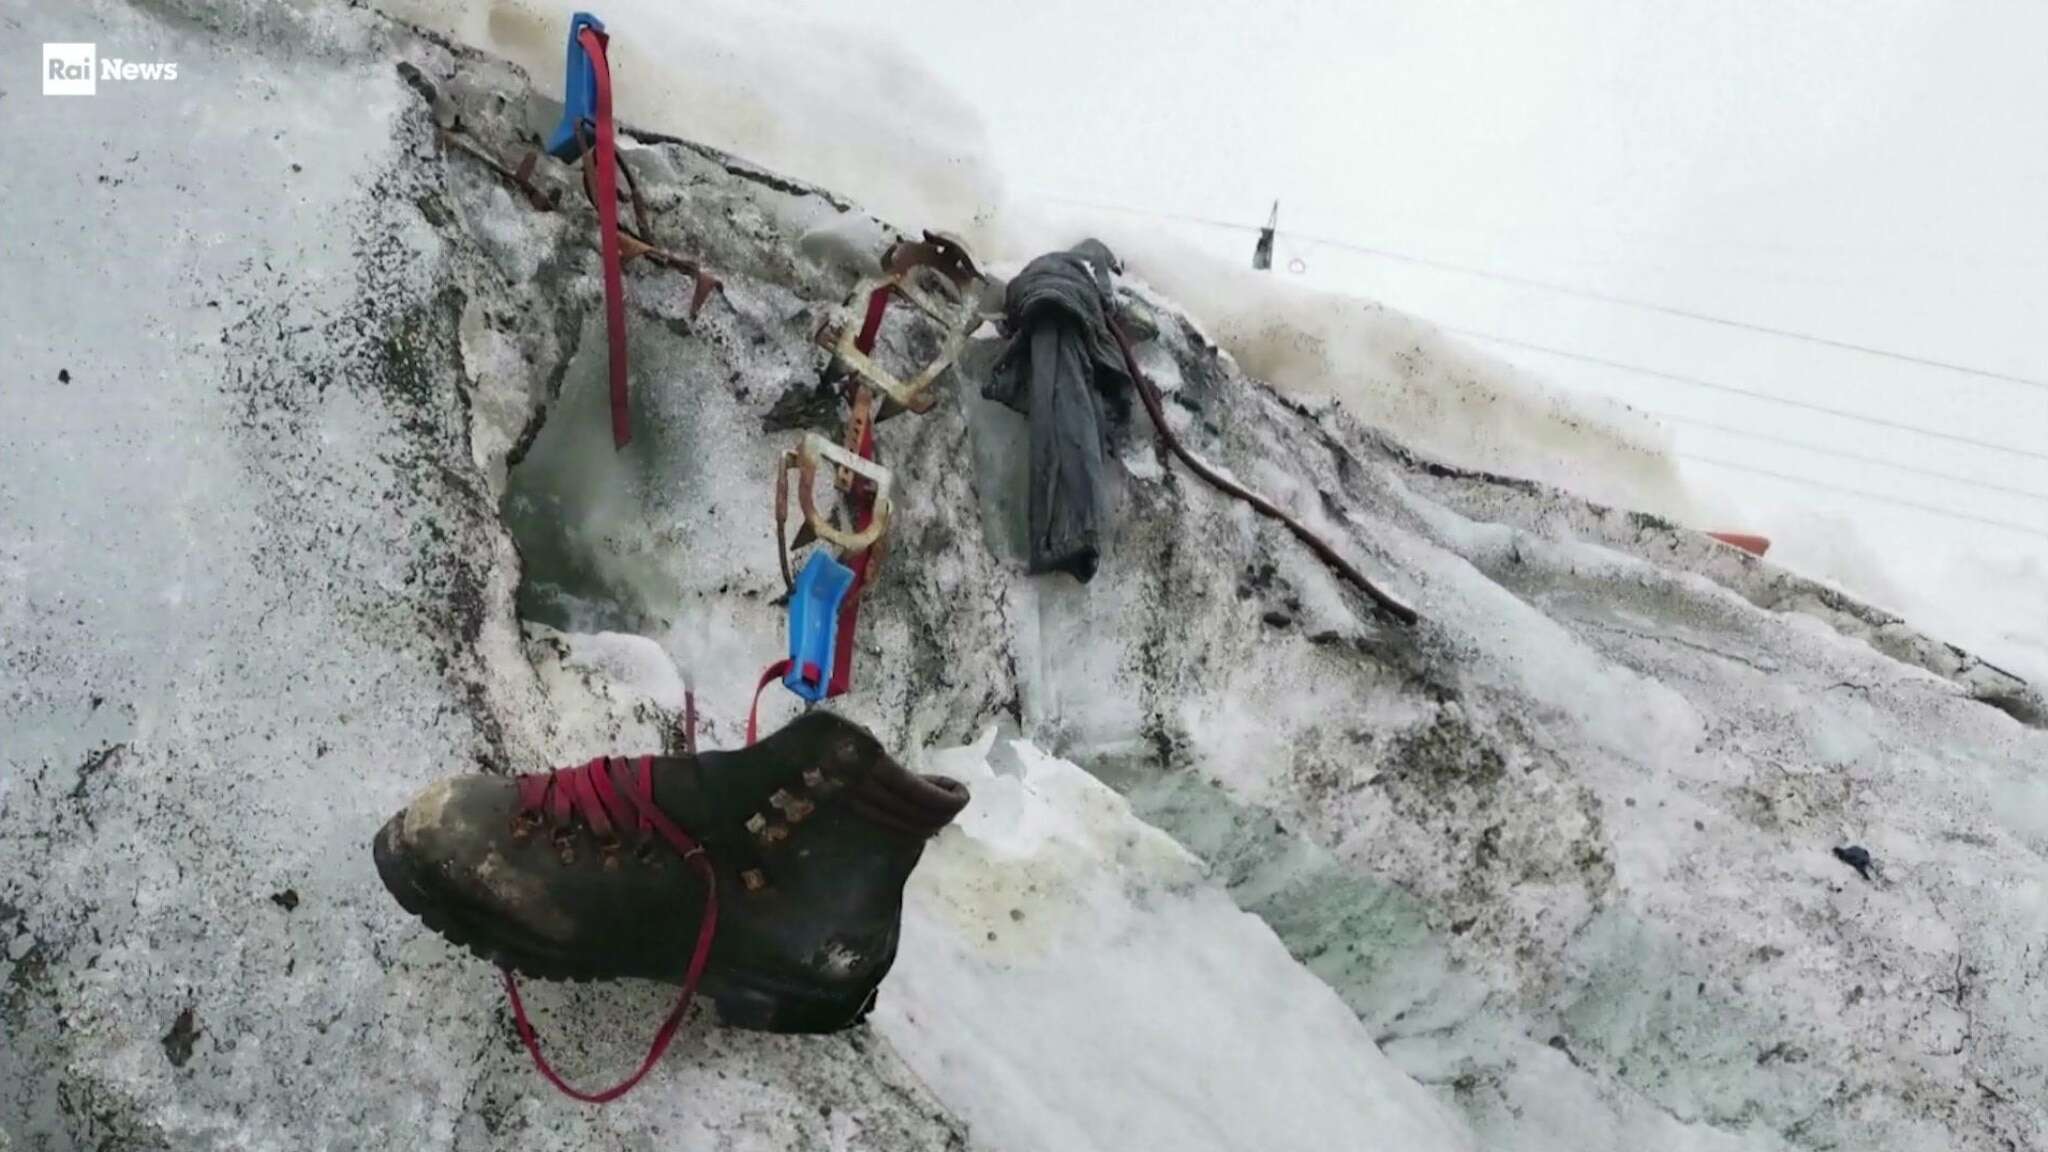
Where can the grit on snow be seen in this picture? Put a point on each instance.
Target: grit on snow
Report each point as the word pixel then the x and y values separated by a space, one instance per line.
pixel 308 498
pixel 1069 981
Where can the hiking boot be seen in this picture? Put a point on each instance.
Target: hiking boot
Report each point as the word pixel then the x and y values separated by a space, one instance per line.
pixel 600 872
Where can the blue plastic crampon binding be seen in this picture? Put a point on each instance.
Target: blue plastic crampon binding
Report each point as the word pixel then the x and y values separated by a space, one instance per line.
pixel 579 93
pixel 814 624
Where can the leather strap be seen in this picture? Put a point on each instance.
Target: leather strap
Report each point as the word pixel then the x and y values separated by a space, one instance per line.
pixel 776 671
pixel 607 190
pixel 863 504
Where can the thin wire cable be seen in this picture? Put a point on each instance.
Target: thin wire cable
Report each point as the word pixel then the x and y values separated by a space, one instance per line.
pixel 1572 290
pixel 1696 382
pixel 1859 457
pixel 1211 221
pixel 1789 334
pixel 1864 493
pixel 1764 251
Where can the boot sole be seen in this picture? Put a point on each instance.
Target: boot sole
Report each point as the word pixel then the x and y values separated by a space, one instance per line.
pixel 751 1003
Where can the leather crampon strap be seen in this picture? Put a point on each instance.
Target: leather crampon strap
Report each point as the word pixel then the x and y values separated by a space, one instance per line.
pixel 862 500
pixel 607 182
pixel 1149 393
pixel 776 671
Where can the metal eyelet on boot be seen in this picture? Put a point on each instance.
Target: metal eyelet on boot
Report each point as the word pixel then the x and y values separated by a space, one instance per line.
pixel 754 880
pixel 609 851
pixel 565 848
pixel 794 808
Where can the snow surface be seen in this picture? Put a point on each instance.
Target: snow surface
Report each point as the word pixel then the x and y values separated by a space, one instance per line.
pixel 1562 852
pixel 1071 979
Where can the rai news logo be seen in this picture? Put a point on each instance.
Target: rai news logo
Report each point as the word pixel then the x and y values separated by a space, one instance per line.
pixel 76 69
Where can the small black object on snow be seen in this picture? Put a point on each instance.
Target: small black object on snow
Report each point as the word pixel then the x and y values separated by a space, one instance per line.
pixel 1858 857
pixel 1262 253
pixel 178 1041
pixel 63 375
pixel 287 899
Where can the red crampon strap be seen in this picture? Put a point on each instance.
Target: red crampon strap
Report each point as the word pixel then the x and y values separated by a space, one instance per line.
pixel 590 791
pixel 849 608
pixel 607 180
pixel 863 503
pixel 871 324
pixel 776 671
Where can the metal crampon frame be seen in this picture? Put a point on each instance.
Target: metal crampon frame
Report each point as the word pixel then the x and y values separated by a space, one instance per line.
pixel 938 278
pixel 942 262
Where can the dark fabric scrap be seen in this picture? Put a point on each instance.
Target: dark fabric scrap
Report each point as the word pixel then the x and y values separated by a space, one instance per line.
pixel 1063 371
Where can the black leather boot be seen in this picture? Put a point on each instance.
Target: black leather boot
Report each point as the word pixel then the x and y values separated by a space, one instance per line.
pixel 603 871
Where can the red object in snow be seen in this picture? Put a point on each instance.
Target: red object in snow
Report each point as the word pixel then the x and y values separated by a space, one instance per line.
pixel 607 195
pixel 1754 545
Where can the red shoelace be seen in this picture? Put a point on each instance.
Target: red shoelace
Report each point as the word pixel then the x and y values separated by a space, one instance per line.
pixel 609 796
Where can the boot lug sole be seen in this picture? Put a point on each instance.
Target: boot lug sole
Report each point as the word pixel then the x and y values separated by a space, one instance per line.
pixel 758 1005
pixel 748 1003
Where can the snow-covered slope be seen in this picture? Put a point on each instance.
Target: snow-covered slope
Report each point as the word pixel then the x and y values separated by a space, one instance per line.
pixel 1069 980
pixel 1554 868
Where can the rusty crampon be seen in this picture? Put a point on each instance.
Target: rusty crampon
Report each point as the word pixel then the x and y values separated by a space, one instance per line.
pixel 634 243
pixel 520 177
pixel 934 275
pixel 804 460
pixel 938 277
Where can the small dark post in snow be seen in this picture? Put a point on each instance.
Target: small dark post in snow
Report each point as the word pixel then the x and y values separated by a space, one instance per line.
pixel 1262 256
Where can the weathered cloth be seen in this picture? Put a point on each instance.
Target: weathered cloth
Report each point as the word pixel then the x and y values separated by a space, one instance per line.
pixel 1059 370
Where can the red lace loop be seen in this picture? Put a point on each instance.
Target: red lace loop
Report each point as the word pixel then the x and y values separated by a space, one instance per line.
pixel 593 793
